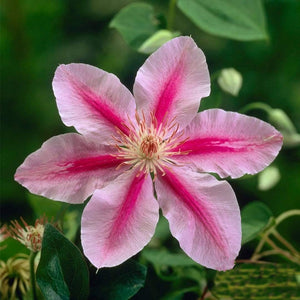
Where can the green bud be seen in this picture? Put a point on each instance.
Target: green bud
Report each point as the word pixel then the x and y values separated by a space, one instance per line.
pixel 156 40
pixel 291 140
pixel 230 81
pixel 284 124
pixel 268 178
pixel 281 121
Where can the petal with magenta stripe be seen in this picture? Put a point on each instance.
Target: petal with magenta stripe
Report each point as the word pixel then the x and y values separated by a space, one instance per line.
pixel 92 100
pixel 203 215
pixel 229 143
pixel 119 220
pixel 68 167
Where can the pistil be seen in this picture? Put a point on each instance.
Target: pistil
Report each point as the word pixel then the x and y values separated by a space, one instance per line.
pixel 149 147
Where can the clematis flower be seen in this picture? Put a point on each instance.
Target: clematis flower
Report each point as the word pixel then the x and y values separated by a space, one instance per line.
pixel 130 148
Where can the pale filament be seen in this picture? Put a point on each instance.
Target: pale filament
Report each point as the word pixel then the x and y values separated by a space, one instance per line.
pixel 149 148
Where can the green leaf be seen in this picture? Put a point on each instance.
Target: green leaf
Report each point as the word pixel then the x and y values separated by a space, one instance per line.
pixel 258 281
pixel 62 272
pixel 136 23
pixel 235 19
pixel 163 257
pixel 174 266
pixel 121 282
pixel 256 216
pixel 179 294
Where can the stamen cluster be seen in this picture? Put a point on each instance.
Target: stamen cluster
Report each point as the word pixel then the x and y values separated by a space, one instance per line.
pixel 30 236
pixel 149 147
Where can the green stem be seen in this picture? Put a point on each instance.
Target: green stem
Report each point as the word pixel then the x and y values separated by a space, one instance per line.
pixel 171 14
pixel 284 242
pixel 287 214
pixel 32 275
pixel 259 247
pixel 287 254
pixel 256 105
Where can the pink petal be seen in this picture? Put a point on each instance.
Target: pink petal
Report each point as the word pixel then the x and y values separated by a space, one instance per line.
pixel 92 100
pixel 119 220
pixel 203 214
pixel 68 168
pixel 229 143
pixel 172 81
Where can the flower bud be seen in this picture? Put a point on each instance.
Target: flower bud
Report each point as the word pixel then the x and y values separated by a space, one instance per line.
pixel 156 40
pixel 230 81
pixel 281 121
pixel 268 178
pixel 284 124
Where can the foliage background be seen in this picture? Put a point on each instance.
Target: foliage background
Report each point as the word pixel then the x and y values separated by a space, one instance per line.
pixel 38 35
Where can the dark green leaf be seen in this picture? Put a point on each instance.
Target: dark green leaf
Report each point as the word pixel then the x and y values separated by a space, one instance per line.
pixel 235 19
pixel 121 282
pixel 255 218
pixel 179 294
pixel 174 266
pixel 136 23
pixel 163 257
pixel 62 272
pixel 258 281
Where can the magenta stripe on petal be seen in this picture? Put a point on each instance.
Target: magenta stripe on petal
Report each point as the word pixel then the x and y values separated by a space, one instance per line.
pixel 99 105
pixel 126 210
pixel 217 145
pixel 229 143
pixel 172 81
pixel 195 205
pixel 168 93
pixel 68 168
pixel 119 220
pixel 90 164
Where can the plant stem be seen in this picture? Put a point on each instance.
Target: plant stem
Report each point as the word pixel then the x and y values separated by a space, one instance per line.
pixel 256 105
pixel 287 214
pixel 32 275
pixel 259 246
pixel 284 242
pixel 293 255
pixel 265 253
pixel 171 14
pixel 287 254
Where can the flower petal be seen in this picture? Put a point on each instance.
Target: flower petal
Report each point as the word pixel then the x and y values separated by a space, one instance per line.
pixel 68 168
pixel 119 220
pixel 92 100
pixel 203 214
pixel 172 81
pixel 229 143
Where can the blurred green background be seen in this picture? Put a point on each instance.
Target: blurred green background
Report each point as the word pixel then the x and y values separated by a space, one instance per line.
pixel 38 35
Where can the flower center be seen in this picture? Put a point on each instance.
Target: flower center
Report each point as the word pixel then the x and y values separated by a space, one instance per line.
pixel 149 147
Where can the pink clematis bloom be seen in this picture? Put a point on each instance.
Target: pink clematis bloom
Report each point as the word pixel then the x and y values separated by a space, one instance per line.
pixel 123 140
